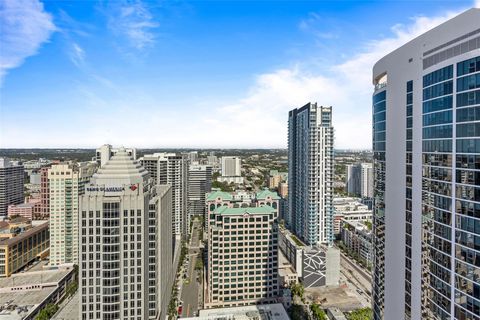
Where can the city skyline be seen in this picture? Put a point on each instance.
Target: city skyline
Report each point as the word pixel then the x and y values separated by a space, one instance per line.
pixel 123 69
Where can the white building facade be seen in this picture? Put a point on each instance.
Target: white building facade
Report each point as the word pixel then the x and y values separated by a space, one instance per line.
pixel 426 108
pixel 105 152
pixel 231 167
pixel 310 173
pixel 126 264
pixel 172 169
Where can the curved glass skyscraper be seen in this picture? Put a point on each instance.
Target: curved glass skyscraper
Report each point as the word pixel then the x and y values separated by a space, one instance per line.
pixel 426 141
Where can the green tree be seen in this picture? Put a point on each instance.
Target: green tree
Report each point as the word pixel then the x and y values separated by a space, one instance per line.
pixel 297 312
pixel 360 314
pixel 172 309
pixel 318 313
pixel 47 312
pixel 368 224
pixel 297 290
pixel 71 288
pixel 199 263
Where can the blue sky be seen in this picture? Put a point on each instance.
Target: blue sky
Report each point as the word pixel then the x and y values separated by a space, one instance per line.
pixel 194 73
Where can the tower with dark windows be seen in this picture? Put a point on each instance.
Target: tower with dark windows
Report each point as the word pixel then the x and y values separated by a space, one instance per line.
pixel 426 143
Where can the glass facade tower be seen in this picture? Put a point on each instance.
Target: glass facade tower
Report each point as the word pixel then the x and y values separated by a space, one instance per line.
pixel 426 142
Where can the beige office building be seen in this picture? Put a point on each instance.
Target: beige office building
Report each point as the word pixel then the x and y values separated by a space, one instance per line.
pixel 242 257
pixel 67 182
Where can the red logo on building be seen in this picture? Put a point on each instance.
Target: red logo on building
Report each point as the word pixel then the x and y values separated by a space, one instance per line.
pixel 133 187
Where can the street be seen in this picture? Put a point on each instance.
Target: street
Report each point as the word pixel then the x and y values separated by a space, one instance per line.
pixel 358 278
pixel 191 287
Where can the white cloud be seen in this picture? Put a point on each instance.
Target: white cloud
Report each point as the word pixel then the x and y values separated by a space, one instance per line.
pixel 477 4
pixel 25 26
pixel 260 118
pixel 77 54
pixel 315 24
pixel 134 21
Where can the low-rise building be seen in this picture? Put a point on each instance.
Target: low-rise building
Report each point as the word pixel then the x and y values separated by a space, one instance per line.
pixel 357 237
pixel 20 244
pixel 23 296
pixel 335 314
pixel 315 266
pixel 258 312
pixel 231 179
pixel 287 275
pixel 29 210
pixel 350 209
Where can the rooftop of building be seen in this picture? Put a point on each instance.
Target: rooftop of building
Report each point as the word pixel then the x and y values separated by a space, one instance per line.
pixel 69 311
pixel 160 155
pixel 349 204
pixel 292 238
pixel 341 200
pixel 440 38
pixel 121 169
pixel 14 225
pixel 223 210
pixel 257 312
pixel 219 194
pixel 336 314
pixel 267 193
pixel 23 235
pixel 25 205
pixel 365 226
pixel 7 163
pixel 18 298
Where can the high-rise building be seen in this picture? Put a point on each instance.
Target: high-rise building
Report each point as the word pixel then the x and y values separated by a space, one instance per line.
pixel 126 264
pixel 66 184
pixel 426 107
pixel 231 167
pixel 353 179
pixel 11 185
pixel 44 193
pixel 360 179
pixel 242 256
pixel 172 169
pixel 212 160
pixel 283 189
pixel 310 173
pixel 193 156
pixel 366 180
pixel 199 183
pixel 105 152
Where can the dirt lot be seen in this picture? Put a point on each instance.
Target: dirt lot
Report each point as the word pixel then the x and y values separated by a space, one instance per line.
pixel 342 298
